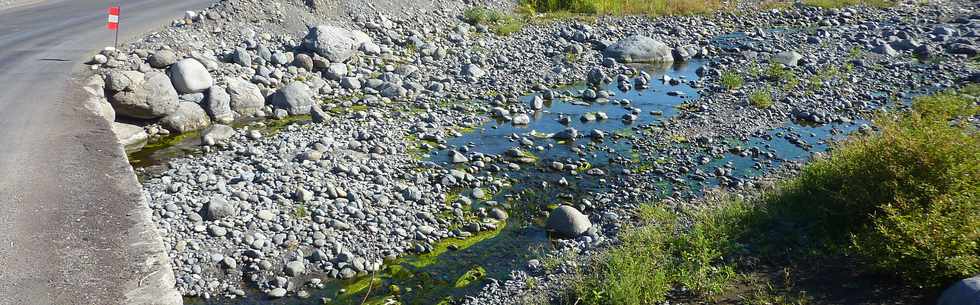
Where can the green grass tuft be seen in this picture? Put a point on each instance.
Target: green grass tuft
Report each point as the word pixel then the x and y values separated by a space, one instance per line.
pixel 761 98
pixel 731 80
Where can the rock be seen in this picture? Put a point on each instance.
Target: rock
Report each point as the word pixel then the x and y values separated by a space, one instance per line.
pixel 218 208
pixel 219 105
pixel 596 77
pixel 336 71
pixel 964 292
pixel 474 71
pixel 296 97
pixel 638 48
pixel 162 59
pixel 245 98
pixel 885 49
pixel 685 52
pixel 241 57
pixel 350 83
pixel 189 117
pixel 458 157
pixel 317 114
pixel 568 221
pixel 131 137
pixel 277 293
pixel 787 58
pixel 498 214
pixel 142 96
pixel 303 61
pixel 217 134
pixel 190 76
pixel 334 43
pixel 295 268
pixel 537 103
pixel 521 119
pixel 567 134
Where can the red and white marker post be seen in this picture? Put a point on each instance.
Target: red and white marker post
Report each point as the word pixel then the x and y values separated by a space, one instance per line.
pixel 113 23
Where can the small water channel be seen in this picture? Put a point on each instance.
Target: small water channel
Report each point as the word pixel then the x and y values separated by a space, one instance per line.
pixel 456 268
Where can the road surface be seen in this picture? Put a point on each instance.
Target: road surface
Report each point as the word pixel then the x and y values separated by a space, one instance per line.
pixel 73 226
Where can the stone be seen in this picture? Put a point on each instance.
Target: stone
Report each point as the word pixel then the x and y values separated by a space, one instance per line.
pixel 241 57
pixel 474 71
pixel 277 293
pixel 142 96
pixel 190 76
pixel 350 83
pixel 218 208
pixel 567 134
pixel 885 49
pixel 458 157
pixel 685 52
pixel 521 119
pixel 296 98
pixel 218 133
pixel 295 268
pixel 245 98
pixel 787 58
pixel 333 43
pixel 963 292
pixel 498 214
pixel 317 114
pixel 336 71
pixel 131 137
pixel 162 59
pixel 219 105
pixel 640 49
pixel 568 221
pixel 189 117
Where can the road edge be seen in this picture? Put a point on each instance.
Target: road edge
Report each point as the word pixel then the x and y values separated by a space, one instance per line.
pixel 155 281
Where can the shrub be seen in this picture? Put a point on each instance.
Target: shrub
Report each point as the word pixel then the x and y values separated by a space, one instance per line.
pixel 910 195
pixel 761 98
pixel 731 80
pixel 622 7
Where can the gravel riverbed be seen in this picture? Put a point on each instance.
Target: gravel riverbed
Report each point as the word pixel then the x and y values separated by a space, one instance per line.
pixel 375 174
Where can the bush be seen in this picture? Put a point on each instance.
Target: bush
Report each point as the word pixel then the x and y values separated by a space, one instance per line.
pixel 904 199
pixel 761 98
pixel 622 7
pixel 907 196
pixel 731 80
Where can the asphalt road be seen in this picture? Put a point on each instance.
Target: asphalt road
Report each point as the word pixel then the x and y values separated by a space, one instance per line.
pixel 73 226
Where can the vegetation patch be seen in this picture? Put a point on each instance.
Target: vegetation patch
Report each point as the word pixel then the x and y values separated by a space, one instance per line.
pixel 901 202
pixel 500 22
pixel 761 98
pixel 624 7
pixel 731 80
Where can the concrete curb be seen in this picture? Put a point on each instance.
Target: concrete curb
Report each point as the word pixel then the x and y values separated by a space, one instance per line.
pixel 154 284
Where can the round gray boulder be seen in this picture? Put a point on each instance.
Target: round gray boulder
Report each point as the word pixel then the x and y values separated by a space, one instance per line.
pixel 162 59
pixel 567 221
pixel 190 76
pixel 245 98
pixel 141 96
pixel 189 117
pixel 218 105
pixel 219 208
pixel 334 43
pixel 296 98
pixel 640 49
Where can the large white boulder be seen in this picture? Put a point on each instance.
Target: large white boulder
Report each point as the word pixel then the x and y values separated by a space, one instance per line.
pixel 568 222
pixel 245 98
pixel 296 98
pixel 640 49
pixel 190 76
